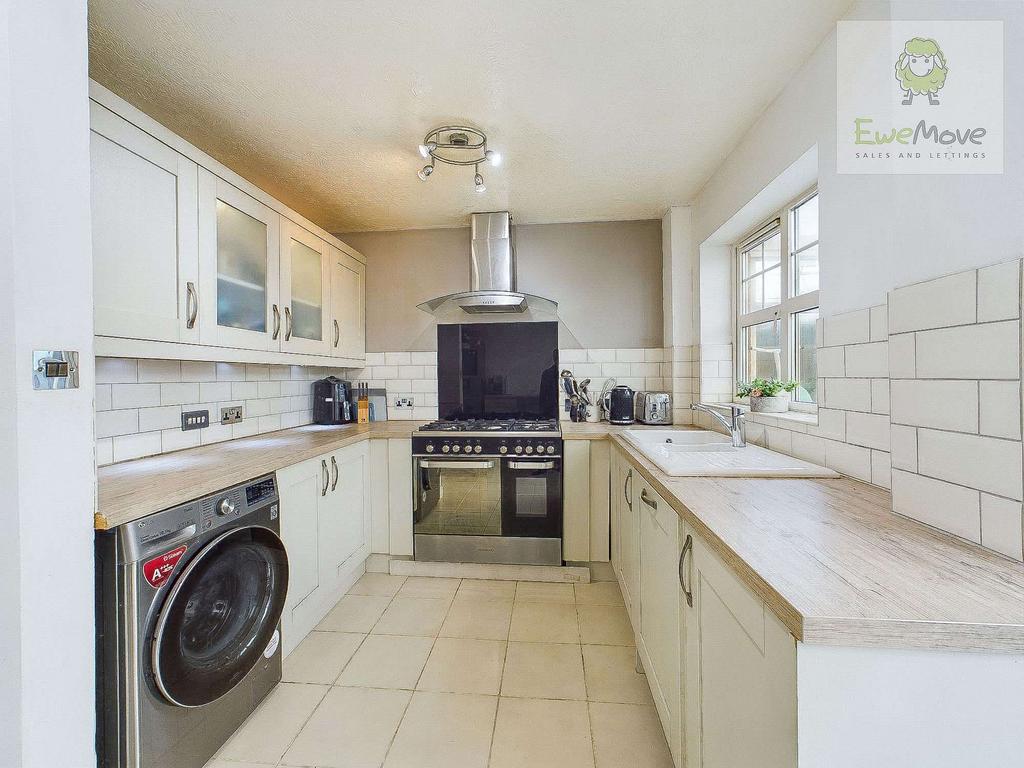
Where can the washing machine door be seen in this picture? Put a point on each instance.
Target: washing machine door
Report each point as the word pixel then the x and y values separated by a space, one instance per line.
pixel 220 616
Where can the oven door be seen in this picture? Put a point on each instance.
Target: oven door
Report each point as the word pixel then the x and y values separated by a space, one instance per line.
pixel 457 496
pixel 531 497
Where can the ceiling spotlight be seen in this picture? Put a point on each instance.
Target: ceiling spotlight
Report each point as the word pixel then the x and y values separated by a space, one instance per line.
pixel 458 145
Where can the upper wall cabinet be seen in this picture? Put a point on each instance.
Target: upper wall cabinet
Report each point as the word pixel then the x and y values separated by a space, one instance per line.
pixel 348 305
pixel 305 291
pixel 238 268
pixel 145 247
pixel 193 262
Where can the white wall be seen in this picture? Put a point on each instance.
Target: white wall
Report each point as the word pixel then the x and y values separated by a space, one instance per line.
pixel 47 467
pixel 876 231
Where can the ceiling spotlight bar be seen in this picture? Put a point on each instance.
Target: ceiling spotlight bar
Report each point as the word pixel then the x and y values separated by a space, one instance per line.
pixel 457 145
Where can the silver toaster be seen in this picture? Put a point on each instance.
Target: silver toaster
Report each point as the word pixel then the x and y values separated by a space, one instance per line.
pixel 653 407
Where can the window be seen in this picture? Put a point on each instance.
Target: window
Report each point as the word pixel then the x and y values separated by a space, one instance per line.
pixel 777 266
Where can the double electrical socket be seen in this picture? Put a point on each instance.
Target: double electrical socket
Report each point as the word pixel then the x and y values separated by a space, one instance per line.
pixel 201 419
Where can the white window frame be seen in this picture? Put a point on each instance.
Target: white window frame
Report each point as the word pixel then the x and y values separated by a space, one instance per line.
pixel 782 221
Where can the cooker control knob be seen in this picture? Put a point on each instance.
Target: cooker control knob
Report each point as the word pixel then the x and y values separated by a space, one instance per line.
pixel 519 449
pixel 445 448
pixel 478 449
pixel 456 448
pixel 551 449
pixel 469 448
pixel 503 449
pixel 430 448
pixel 529 449
pixel 225 507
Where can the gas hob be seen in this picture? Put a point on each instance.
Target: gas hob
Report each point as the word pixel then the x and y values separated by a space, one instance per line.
pixel 489 437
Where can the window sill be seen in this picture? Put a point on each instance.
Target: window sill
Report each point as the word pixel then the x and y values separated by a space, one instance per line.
pixel 791 419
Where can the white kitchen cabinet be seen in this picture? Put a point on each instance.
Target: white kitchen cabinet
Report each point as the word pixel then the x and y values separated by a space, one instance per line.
pixel 629 543
pixel 739 670
pixel 144 232
pixel 299 488
pixel 325 524
pixel 239 241
pixel 348 305
pixel 305 291
pixel 576 501
pixel 658 641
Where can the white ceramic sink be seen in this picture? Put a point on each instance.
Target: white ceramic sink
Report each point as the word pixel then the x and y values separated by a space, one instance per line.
pixel 703 453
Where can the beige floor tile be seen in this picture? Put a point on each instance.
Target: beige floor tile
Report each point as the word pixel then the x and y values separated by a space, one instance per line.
pixel 320 657
pixel 265 736
pixel 352 728
pixel 541 733
pixel 543 671
pixel 473 617
pixel 428 586
pixel 381 584
pixel 544 623
pixel 611 675
pixel 413 616
pixel 457 665
pixel 387 661
pixel 444 730
pixel 628 734
pixel 218 763
pixel 488 589
pixel 544 592
pixel 599 593
pixel 605 625
pixel 355 613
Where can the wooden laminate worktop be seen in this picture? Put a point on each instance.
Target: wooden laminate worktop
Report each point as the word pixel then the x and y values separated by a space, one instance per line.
pixel 838 567
pixel 828 557
pixel 133 489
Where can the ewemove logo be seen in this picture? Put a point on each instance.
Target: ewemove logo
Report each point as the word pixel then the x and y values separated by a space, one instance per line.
pixel 921 70
pixel 921 114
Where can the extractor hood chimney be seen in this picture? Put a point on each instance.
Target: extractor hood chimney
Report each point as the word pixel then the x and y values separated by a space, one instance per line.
pixel 492 279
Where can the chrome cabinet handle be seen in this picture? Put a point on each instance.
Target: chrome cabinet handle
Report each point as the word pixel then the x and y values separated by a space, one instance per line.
pixel 528 465
pixel 627 494
pixel 326 476
pixel 687 550
pixel 337 334
pixel 334 468
pixel 277 322
pixel 647 500
pixel 455 464
pixel 287 323
pixel 191 305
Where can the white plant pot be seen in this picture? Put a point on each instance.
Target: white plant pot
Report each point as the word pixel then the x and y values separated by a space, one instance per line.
pixel 776 404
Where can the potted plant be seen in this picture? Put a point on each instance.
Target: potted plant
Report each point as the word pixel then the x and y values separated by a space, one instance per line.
pixel 766 395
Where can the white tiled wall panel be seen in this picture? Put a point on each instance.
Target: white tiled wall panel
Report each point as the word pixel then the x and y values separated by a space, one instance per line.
pixel 955 402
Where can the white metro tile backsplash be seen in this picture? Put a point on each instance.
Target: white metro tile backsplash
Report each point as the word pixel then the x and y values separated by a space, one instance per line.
pixel 955 401
pixel 139 402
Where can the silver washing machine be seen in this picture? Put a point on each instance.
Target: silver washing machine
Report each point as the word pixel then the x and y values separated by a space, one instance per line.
pixel 189 604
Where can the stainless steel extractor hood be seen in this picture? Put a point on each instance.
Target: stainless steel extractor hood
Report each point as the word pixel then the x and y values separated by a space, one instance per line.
pixel 492 279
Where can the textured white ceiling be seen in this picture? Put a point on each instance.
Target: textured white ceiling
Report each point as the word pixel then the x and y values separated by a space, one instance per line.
pixel 602 109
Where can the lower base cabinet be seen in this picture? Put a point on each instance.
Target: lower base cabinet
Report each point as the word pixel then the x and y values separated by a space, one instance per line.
pixel 720 665
pixel 325 525
pixel 738 666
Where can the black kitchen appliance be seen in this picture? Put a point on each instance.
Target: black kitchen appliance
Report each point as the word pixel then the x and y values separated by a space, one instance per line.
pixel 331 401
pixel 487 478
pixel 618 405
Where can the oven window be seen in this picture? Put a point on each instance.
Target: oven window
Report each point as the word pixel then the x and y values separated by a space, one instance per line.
pixel 458 496
pixel 531 497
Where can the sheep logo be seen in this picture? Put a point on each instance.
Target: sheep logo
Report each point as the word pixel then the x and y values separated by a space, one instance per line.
pixel 921 70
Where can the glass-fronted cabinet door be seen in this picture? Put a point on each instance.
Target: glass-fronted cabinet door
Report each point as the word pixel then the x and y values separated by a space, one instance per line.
pixel 238 268
pixel 305 291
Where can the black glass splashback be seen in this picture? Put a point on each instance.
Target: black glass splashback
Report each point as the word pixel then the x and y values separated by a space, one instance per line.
pixel 497 371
